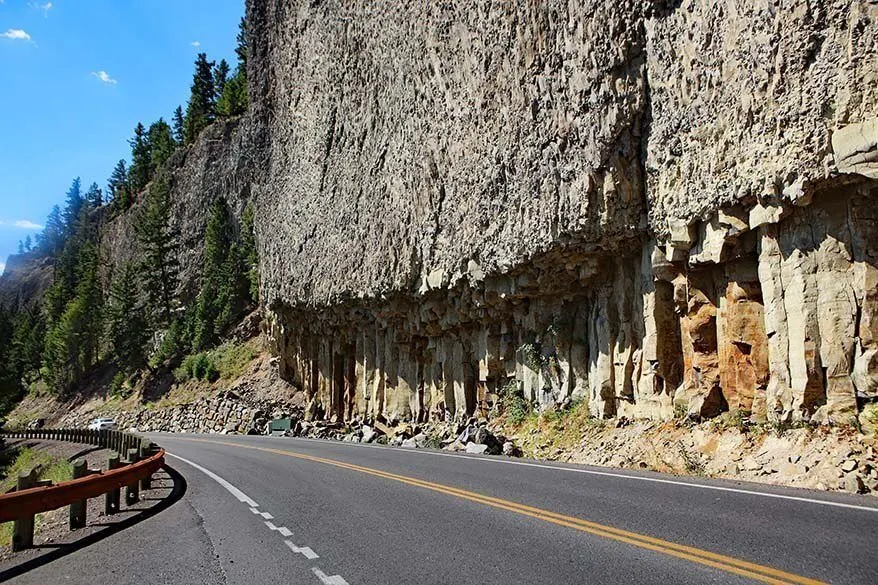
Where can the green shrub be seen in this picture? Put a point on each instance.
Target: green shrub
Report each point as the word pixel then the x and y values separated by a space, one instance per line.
pixel 118 387
pixel 172 345
pixel 516 408
pixel 199 366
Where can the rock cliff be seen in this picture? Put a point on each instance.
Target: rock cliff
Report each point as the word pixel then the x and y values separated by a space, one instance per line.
pixel 661 207
pixel 218 163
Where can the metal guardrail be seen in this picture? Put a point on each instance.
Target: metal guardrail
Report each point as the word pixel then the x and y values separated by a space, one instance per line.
pixel 32 497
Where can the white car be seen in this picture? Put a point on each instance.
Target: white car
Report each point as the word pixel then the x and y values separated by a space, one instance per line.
pixel 100 424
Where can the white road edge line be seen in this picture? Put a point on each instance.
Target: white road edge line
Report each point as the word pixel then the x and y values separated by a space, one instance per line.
pixel 255 511
pixel 284 531
pixel 266 515
pixel 270 525
pixel 241 496
pixel 610 474
pixel 326 579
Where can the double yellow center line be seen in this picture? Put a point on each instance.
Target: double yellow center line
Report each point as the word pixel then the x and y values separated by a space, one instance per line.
pixel 717 561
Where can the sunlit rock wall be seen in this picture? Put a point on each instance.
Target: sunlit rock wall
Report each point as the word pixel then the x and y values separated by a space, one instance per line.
pixel 659 207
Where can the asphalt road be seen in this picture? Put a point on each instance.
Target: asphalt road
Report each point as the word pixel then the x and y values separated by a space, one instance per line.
pixel 280 510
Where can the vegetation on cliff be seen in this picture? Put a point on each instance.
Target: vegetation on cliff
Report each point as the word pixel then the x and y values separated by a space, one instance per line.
pixel 133 316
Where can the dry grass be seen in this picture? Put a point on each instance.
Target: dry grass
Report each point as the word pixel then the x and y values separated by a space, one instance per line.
pixel 15 461
pixel 559 428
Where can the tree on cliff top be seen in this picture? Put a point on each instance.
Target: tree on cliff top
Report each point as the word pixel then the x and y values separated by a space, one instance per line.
pixel 232 99
pixel 51 240
pixel 160 265
pixel 220 77
pixel 94 197
pixel 75 203
pixel 161 144
pixel 141 160
pixel 179 125
pixel 202 107
pixel 243 48
pixel 118 185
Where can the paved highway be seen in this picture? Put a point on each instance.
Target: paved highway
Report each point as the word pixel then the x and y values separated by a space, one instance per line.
pixel 279 510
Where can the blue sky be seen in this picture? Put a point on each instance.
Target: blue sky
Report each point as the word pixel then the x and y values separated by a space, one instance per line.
pixel 77 76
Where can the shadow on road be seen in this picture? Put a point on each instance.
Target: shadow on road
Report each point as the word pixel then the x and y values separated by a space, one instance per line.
pixel 61 550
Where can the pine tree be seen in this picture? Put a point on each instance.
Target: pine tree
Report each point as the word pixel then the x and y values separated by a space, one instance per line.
pixel 233 102
pixel 161 143
pixel 225 286
pixel 160 264
pixel 28 244
pixel 126 320
pixel 213 299
pixel 242 50
pixel 118 185
pixel 52 239
pixel 10 383
pixel 20 247
pixel 220 77
pixel 94 197
pixel 73 341
pixel 141 160
pixel 202 107
pixel 75 203
pixel 27 343
pixel 233 99
pixel 179 125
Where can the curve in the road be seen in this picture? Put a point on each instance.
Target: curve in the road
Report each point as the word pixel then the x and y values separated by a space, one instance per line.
pixel 722 562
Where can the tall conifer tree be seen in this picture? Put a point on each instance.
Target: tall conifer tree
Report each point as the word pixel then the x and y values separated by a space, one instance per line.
pixel 202 106
pixel 141 160
pixel 160 265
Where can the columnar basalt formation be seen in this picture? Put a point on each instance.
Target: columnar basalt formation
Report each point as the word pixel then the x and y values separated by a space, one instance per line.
pixel 659 207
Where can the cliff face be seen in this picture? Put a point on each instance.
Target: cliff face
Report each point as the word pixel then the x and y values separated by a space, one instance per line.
pixel 655 206
pixel 218 164
pixel 24 282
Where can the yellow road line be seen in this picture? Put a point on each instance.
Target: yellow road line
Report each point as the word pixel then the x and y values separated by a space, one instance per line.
pixel 724 563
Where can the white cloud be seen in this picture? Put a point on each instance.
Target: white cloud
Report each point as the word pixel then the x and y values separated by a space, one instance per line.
pixel 27 224
pixel 195 44
pixel 45 7
pixel 105 77
pixel 16 34
pixel 24 224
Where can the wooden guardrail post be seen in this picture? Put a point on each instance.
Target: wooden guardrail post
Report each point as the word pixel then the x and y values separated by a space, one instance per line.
pixel 132 491
pixel 145 451
pixel 78 509
pixel 111 500
pixel 23 528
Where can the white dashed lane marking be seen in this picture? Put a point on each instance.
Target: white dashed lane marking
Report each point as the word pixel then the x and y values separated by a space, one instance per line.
pixel 305 551
pixel 326 579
